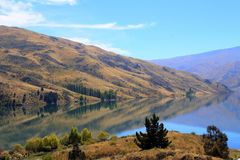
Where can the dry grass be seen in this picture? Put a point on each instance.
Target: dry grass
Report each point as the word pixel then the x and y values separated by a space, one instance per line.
pixel 60 61
pixel 183 147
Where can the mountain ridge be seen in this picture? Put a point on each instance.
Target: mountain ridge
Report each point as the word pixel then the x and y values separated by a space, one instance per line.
pixel 218 65
pixel 35 60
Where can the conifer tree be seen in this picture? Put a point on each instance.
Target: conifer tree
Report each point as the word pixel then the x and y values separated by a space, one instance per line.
pixel 155 136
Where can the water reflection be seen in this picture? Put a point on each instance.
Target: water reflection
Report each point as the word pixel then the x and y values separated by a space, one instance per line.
pixel 127 116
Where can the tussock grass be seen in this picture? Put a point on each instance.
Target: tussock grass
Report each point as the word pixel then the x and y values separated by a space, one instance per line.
pixel 183 147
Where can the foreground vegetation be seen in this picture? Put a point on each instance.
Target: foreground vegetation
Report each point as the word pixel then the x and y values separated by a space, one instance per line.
pixel 157 143
pixel 183 147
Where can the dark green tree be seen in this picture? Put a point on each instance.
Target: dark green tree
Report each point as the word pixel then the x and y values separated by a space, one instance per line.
pixel 80 88
pixel 190 93
pixel 85 100
pixel 51 98
pixel 41 97
pixel 81 99
pixel 74 137
pixel 38 92
pixel 215 143
pixel 5 104
pixel 76 154
pixel 155 136
pixel 24 98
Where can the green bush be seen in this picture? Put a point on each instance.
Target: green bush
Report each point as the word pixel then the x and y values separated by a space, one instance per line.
pixel 50 142
pixel 103 136
pixel 18 148
pixel 34 144
pixel 46 144
pixel 64 140
pixel 86 135
pixel 114 138
pixel 193 133
pixel 74 136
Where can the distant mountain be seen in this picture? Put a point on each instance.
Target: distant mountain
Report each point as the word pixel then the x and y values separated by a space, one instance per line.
pixel 220 65
pixel 30 60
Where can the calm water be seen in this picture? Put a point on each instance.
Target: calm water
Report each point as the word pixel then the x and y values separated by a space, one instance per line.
pixel 125 118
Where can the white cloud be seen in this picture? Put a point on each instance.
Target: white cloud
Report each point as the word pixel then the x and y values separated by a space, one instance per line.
pixel 17 13
pixel 104 46
pixel 71 2
pixel 111 26
pixel 20 13
pixel 56 2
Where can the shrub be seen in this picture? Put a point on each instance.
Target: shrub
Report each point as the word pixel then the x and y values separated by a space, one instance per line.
pixel 113 138
pixel 156 135
pixel 50 142
pixel 5 156
pixel 74 136
pixel 18 148
pixel 112 143
pixel 34 144
pixel 86 135
pixel 215 143
pixel 64 140
pixel 103 136
pixel 47 157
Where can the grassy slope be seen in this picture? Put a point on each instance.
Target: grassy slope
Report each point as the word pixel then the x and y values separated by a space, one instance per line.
pixel 28 57
pixel 183 147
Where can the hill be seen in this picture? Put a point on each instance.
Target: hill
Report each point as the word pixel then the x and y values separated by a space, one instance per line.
pixel 29 60
pixel 219 65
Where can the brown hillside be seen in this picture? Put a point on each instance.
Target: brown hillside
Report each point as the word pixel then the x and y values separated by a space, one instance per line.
pixel 29 60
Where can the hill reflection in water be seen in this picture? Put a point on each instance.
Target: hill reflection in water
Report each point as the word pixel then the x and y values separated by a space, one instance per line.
pixel 127 117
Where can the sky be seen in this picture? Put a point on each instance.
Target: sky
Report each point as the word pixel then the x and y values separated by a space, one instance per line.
pixel 145 29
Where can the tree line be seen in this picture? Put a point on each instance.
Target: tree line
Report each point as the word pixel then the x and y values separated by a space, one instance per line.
pixel 10 102
pixel 109 95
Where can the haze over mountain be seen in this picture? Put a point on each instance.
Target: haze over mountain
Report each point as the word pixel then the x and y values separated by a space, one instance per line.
pixel 220 65
pixel 30 60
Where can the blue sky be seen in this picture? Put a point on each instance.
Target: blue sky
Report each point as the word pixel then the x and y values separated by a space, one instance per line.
pixel 146 29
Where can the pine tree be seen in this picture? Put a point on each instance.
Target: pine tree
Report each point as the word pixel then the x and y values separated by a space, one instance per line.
pixel 156 135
